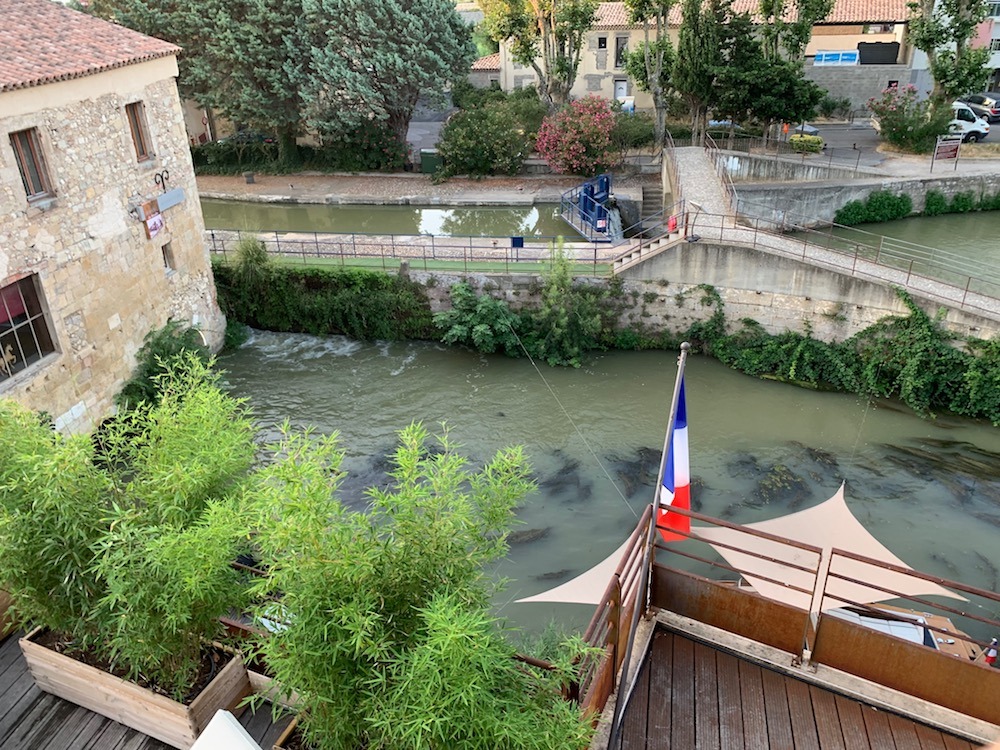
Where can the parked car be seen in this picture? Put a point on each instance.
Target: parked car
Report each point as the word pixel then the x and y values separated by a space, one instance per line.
pixel 248 136
pixel 986 105
pixel 967 123
pixel 805 129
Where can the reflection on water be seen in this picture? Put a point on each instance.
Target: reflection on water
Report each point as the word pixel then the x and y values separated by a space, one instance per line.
pixel 927 489
pixel 452 221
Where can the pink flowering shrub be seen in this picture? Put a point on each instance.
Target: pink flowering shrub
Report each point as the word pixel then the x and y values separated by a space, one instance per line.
pixel 577 138
pixel 907 122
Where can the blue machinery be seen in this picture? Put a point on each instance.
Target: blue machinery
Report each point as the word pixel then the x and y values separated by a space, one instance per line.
pixel 586 209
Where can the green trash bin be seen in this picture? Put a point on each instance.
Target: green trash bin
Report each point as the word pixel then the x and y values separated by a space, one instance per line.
pixel 430 160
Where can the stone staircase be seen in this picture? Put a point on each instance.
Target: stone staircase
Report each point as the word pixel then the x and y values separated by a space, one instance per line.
pixel 638 250
pixel 651 214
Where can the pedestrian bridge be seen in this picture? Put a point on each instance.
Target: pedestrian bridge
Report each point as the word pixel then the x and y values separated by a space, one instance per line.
pixel 704 215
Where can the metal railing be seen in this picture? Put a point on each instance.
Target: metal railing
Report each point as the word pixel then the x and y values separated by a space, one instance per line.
pixel 424 251
pixel 928 272
pixel 715 155
pixel 608 630
pixel 975 613
pixel 832 157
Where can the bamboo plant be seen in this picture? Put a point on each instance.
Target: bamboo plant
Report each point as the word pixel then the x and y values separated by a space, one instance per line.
pixel 380 621
pixel 121 544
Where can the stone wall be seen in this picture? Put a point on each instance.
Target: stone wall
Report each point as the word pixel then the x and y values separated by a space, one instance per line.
pixel 859 83
pixel 779 293
pixel 104 284
pixel 817 203
pixel 752 168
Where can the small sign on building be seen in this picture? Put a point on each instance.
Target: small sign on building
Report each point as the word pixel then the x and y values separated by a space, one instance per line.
pixel 154 225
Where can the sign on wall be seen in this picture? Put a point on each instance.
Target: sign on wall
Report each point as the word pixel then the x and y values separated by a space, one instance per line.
pixel 154 225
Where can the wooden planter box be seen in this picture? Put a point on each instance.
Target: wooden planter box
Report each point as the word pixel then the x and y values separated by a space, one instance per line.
pixel 282 742
pixel 141 709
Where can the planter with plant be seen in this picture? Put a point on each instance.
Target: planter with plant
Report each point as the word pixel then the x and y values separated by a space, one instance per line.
pixel 117 550
pixel 380 619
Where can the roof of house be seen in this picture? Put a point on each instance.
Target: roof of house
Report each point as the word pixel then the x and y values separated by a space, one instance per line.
pixel 44 41
pixel 615 15
pixel 490 62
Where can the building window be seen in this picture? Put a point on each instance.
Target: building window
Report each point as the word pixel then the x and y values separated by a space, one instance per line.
pixel 995 45
pixel 24 331
pixel 993 10
pixel 602 42
pixel 28 154
pixel 140 133
pixel 621 47
pixel 168 257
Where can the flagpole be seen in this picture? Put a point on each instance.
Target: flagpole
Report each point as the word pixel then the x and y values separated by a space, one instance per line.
pixel 647 557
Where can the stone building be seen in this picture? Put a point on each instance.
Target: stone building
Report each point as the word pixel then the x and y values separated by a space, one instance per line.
pixel 850 23
pixel 100 225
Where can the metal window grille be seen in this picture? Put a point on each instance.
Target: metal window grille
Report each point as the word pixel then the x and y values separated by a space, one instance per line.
pixel 25 333
pixel 140 133
pixel 31 164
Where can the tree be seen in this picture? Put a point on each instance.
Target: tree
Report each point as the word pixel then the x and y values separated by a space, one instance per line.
pixel 378 58
pixel 651 64
pixel 699 56
pixel 545 34
pixel 944 30
pixel 785 31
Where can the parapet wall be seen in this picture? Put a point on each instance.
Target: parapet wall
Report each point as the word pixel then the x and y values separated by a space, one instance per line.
pixel 818 202
pixel 781 294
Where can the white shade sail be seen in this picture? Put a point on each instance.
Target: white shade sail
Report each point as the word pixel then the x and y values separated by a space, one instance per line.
pixel 827 525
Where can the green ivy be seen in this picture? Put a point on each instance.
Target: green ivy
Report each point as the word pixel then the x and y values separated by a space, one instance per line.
pixel 160 349
pixel 365 305
pixel 879 206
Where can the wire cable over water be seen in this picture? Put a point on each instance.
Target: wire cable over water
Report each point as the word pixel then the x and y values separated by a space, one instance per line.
pixel 576 429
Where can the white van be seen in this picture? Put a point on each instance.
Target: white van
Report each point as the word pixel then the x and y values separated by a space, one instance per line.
pixel 967 123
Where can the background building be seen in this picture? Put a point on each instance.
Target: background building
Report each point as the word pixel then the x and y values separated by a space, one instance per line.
pixel 100 225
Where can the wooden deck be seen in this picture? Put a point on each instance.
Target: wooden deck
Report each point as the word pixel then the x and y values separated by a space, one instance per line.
pixel 33 720
pixel 691 695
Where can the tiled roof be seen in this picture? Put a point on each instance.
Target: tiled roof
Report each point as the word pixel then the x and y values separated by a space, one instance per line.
pixel 42 41
pixel 615 15
pixel 490 62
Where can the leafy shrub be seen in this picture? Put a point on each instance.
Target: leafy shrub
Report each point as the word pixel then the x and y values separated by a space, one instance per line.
pixel 884 206
pixel 577 138
pixel 907 122
pixel 479 322
pixel 369 148
pixel 484 141
pixel 829 106
pixel 366 305
pixel 160 350
pixel 466 96
pixel 962 203
pixel 632 131
pixel 851 214
pixel 880 205
pixel 811 144
pixel 935 203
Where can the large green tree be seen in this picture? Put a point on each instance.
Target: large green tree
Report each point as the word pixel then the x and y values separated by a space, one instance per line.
pixel 699 56
pixel 546 35
pixel 377 59
pixel 944 31
pixel 651 64
pixel 786 27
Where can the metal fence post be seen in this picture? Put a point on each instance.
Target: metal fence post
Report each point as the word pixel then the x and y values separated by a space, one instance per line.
pixel 277 244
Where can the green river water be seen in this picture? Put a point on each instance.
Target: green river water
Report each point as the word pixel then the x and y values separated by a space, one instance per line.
pixel 927 489
pixel 453 221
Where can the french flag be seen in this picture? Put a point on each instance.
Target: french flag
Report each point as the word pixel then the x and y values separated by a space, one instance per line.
pixel 676 489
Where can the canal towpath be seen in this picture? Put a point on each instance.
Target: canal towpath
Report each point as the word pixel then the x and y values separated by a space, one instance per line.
pixel 403 189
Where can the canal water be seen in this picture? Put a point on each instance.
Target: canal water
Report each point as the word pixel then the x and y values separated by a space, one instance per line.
pixel 929 489
pixel 540 220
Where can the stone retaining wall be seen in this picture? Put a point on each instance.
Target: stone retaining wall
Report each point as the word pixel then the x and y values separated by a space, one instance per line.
pixel 779 293
pixel 817 203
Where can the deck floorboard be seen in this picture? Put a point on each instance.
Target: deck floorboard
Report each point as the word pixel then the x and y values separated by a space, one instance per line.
pixel 699 697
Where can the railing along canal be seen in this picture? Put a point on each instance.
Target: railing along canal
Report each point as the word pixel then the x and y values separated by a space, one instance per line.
pixel 426 251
